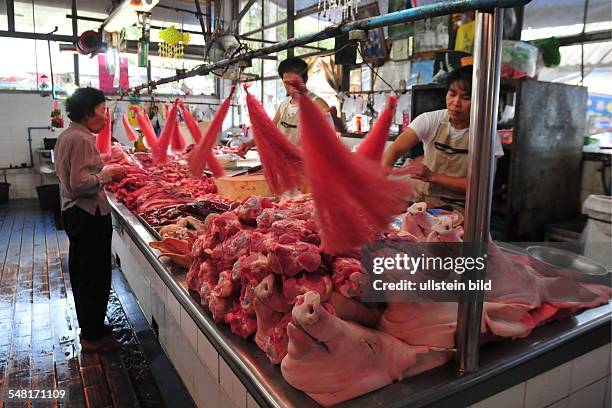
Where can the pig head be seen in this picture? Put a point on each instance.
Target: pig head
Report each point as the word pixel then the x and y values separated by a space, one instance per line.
pixel 324 350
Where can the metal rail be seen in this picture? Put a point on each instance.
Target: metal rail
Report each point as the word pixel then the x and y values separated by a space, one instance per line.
pixel 483 125
pixel 402 16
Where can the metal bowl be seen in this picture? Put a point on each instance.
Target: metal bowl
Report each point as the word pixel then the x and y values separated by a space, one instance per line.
pixel 565 260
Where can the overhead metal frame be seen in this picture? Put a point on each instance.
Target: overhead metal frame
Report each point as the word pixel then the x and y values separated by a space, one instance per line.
pixel 398 17
pixel 10 13
pixel 200 18
pixel 101 20
pixel 245 10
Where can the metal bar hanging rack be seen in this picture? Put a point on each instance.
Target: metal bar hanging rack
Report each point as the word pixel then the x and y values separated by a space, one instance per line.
pixel 398 17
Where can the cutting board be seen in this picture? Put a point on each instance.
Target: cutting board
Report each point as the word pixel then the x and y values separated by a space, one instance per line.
pixel 240 187
pixel 187 134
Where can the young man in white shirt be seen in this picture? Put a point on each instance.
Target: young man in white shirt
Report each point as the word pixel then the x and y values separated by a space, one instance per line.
pixel 286 117
pixel 441 173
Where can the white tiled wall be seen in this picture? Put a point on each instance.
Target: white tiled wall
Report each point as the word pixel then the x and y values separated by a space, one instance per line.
pixel 548 387
pixel 589 368
pixel 18 112
pixel 589 396
pixel 581 383
pixel 511 398
pixel 208 356
pixel 232 385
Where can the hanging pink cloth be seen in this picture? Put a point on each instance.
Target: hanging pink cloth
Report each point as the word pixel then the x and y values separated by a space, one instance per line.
pixel 354 200
pixel 280 159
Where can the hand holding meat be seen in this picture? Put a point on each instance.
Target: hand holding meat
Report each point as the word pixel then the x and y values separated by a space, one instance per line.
pixel 112 173
pixel 416 169
pixel 244 148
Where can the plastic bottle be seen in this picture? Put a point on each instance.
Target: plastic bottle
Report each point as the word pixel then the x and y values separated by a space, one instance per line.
pixel 139 145
pixel 405 120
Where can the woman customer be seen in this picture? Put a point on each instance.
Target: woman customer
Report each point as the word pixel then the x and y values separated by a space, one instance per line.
pixel 86 215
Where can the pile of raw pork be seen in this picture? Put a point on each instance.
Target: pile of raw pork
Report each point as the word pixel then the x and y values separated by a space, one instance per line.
pixel 148 187
pixel 260 269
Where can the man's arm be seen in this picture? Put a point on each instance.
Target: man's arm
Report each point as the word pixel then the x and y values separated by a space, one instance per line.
pixel 458 184
pixel 249 144
pixel 416 169
pixel 402 145
pixel 321 104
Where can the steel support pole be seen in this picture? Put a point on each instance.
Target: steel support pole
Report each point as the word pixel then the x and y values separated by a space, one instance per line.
pixel 483 128
pixel 75 34
pixel 10 15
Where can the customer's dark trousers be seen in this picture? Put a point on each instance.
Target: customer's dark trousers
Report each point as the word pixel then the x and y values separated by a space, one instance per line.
pixel 89 264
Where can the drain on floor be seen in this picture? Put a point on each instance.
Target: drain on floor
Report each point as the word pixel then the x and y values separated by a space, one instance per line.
pixel 135 363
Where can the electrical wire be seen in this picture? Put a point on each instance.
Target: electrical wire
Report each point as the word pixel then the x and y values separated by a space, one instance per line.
pixel 584 21
pixel 376 73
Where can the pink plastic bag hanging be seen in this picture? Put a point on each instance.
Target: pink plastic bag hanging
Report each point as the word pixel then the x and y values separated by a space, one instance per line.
pixel 129 131
pixel 160 152
pixel 178 140
pixel 202 153
pixel 281 160
pixel 353 198
pixel 191 123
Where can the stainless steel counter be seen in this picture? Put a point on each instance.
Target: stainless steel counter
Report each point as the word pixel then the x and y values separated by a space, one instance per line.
pixel 502 365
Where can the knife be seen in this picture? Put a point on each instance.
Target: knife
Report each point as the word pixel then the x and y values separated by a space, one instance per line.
pixel 250 170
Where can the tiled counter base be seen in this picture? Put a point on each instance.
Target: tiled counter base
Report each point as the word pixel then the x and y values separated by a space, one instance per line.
pixel 581 383
pixel 208 378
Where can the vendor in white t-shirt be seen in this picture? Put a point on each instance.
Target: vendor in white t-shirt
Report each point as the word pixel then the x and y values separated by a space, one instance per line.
pixel 286 118
pixel 442 171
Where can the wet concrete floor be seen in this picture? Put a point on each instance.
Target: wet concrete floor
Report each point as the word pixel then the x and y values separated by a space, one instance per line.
pixel 40 356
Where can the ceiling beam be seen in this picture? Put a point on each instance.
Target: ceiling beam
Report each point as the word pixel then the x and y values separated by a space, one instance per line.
pixel 245 10
pixel 198 12
pixel 595 36
pixel 10 14
pixel 101 20
pixel 37 36
pixel 200 19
